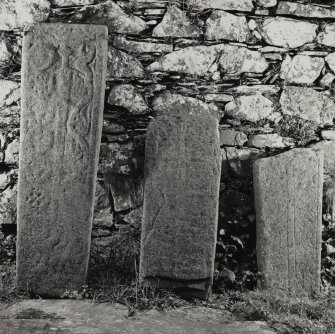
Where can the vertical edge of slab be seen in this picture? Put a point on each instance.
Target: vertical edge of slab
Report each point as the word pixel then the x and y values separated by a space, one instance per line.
pixel 188 271
pixel 59 149
pixel 289 258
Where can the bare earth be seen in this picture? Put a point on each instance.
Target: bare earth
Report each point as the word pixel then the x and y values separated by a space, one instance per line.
pixel 86 317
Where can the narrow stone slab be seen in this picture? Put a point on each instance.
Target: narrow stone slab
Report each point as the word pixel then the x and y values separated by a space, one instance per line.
pixel 288 200
pixel 64 68
pixel 182 176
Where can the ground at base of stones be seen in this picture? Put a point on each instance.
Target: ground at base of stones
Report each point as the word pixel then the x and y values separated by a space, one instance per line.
pixel 83 316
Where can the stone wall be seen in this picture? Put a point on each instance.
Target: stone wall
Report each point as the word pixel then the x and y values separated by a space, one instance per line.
pixel 267 65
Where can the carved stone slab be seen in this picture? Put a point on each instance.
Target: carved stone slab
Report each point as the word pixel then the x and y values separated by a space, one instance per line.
pixel 63 84
pixel 288 199
pixel 182 176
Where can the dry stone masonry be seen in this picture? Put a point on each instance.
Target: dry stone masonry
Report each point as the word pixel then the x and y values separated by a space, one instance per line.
pixel 63 85
pixel 288 198
pixel 182 177
pixel 267 67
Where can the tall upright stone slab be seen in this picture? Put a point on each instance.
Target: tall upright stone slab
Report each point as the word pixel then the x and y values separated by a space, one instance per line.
pixel 182 177
pixel 288 199
pixel 63 83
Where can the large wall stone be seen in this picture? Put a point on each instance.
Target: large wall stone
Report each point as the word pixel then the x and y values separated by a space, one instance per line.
pixel 61 123
pixel 21 13
pixel 223 25
pixel 308 104
pixel 288 199
pixel 287 32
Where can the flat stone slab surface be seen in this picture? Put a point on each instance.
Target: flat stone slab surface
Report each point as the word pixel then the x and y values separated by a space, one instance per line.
pixel 182 177
pixel 86 317
pixel 63 84
pixel 288 201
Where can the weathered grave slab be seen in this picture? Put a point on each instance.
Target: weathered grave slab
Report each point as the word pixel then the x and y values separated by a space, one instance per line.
pixel 182 176
pixel 288 200
pixel 64 68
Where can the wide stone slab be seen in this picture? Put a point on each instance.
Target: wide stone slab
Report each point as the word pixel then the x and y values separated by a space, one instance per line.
pixel 64 68
pixel 182 177
pixel 73 316
pixel 288 201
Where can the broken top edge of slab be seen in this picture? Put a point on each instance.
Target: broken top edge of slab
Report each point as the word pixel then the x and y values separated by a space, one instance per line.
pixel 96 27
pixel 289 153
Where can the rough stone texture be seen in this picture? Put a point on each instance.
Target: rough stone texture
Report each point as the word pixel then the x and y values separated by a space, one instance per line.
pixel 266 3
pixel 308 104
pixel 288 33
pixel 231 137
pixel 327 80
pixel 328 147
pixel 272 140
pixel 83 316
pixel 167 103
pixel 223 25
pixel 190 60
pixel 182 177
pixel 12 152
pixel 238 161
pixel 21 13
pixel 199 60
pixel 65 3
pixel 250 107
pixel 301 69
pixel 128 97
pixel 239 60
pixel 5 55
pixel 118 158
pixel 328 134
pixel 120 42
pixel 61 122
pixel 9 92
pixel 327 36
pixel 266 90
pixel 240 5
pixel 8 207
pixel 288 200
pixel 176 23
pixel 113 16
pixel 330 59
pixel 126 191
pixel 123 65
pixel 304 10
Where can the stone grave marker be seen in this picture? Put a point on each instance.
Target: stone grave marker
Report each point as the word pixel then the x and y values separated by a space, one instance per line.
pixel 288 200
pixel 63 84
pixel 182 177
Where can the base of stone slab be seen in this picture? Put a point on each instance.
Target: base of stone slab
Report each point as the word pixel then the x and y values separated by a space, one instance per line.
pixel 185 289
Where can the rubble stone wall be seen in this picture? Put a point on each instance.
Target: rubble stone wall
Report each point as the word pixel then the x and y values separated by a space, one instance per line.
pixel 268 66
